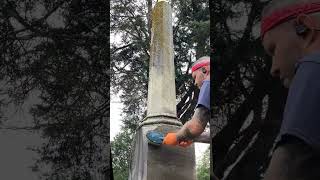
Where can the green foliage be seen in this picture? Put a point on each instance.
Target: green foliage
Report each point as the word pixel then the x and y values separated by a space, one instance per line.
pixel 203 168
pixel 121 149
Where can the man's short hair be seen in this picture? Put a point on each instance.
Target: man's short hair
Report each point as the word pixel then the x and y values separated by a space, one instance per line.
pixel 203 61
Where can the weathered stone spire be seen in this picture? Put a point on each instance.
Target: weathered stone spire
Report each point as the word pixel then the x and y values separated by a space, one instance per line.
pixel 161 87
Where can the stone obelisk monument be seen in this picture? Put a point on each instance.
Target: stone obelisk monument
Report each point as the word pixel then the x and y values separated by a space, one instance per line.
pixel 163 162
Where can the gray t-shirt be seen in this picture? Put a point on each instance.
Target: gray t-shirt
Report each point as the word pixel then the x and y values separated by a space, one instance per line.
pixel 302 111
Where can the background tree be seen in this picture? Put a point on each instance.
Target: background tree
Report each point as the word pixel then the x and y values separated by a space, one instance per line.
pixel 248 103
pixel 121 155
pixel 203 168
pixel 59 51
pixel 131 23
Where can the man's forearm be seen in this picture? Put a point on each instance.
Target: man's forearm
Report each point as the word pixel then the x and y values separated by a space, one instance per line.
pixel 186 133
pixel 203 138
pixel 195 126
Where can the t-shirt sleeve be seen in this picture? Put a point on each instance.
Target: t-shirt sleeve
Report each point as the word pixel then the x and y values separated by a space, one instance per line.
pixel 302 111
pixel 204 95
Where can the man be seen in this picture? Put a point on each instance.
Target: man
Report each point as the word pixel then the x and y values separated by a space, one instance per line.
pixel 193 128
pixel 290 34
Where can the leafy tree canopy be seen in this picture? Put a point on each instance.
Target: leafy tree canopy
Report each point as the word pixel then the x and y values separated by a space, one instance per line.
pixel 58 50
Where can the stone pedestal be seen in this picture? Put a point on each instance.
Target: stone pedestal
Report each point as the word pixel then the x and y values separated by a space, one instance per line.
pixel 161 162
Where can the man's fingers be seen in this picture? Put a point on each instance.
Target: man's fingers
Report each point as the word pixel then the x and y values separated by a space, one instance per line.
pixel 185 143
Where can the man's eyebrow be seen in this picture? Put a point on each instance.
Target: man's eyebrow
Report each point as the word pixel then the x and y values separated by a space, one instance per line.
pixel 270 49
pixel 266 47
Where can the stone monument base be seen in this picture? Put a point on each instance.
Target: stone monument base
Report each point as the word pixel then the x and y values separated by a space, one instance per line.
pixel 150 162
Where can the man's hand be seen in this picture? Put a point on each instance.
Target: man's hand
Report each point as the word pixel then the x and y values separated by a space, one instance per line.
pixel 185 143
pixel 170 139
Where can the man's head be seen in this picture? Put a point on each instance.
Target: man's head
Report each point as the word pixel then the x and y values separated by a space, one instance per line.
pixel 289 31
pixel 201 70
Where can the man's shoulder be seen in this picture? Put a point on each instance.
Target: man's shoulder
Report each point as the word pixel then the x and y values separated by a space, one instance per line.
pixel 306 80
pixel 301 115
pixel 204 96
pixel 308 63
pixel 312 58
pixel 307 68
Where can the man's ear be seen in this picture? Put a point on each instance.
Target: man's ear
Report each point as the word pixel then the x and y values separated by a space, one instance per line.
pixel 305 27
pixel 203 70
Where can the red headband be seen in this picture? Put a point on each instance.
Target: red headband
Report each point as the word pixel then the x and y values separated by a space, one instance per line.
pixel 199 65
pixel 284 14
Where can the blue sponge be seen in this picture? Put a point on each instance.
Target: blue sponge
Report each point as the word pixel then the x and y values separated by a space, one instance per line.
pixel 155 138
